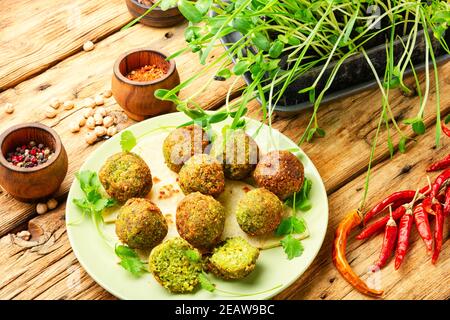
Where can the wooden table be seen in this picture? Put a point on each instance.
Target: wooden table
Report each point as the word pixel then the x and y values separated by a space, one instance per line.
pixel 42 57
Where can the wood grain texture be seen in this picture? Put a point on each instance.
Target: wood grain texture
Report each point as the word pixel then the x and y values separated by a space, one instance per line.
pixel 35 35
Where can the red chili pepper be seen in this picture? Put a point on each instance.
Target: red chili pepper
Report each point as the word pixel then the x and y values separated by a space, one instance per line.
pixel 351 220
pixel 437 184
pixel 395 199
pixel 439 165
pixel 404 230
pixel 423 226
pixel 447 202
pixel 438 232
pixel 380 223
pixel 445 129
pixel 390 235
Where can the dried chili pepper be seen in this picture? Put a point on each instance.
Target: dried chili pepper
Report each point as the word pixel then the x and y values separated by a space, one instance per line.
pixel 440 165
pixel 438 183
pixel 445 129
pixel 351 220
pixel 390 235
pixel 438 232
pixel 423 226
pixel 447 202
pixel 404 230
pixel 380 223
pixel 396 199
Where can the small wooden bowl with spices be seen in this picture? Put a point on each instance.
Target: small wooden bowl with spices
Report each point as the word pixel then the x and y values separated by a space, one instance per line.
pixel 137 75
pixel 157 17
pixel 33 161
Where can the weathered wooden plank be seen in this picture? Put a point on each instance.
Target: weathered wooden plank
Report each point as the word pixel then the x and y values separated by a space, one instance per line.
pixel 35 35
pixel 84 75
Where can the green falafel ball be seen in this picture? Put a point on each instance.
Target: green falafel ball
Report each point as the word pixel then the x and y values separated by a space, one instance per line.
pixel 238 152
pixel 202 173
pixel 125 175
pixel 200 220
pixel 234 259
pixel 280 172
pixel 259 212
pixel 182 143
pixel 173 268
pixel 140 224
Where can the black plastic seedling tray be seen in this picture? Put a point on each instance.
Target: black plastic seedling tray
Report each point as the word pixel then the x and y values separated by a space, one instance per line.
pixel 353 76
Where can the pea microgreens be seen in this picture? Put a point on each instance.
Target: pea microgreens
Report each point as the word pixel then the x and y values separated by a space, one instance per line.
pixel 93 202
pixel 293 225
pixel 130 260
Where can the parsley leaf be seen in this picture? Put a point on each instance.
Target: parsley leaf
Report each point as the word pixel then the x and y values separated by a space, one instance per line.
pixel 130 261
pixel 127 141
pixel 300 200
pixel 192 255
pixel 293 247
pixel 205 283
pixel 290 225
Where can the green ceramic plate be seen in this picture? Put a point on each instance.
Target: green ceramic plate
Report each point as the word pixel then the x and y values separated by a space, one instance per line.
pixel 274 272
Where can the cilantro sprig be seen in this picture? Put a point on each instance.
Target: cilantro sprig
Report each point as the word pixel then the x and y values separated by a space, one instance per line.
pixel 93 202
pixel 130 260
pixel 294 225
pixel 127 141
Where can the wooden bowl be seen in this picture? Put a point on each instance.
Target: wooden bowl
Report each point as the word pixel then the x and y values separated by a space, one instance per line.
pixel 40 182
pixel 157 17
pixel 135 97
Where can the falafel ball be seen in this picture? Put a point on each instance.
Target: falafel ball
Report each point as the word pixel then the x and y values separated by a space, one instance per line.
pixel 182 143
pixel 238 152
pixel 234 259
pixel 259 212
pixel 202 173
pixel 140 224
pixel 280 172
pixel 125 175
pixel 173 268
pixel 200 220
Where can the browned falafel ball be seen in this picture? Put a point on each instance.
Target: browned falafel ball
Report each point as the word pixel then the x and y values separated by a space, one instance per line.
pixel 140 224
pixel 202 173
pixel 182 143
pixel 125 175
pixel 259 212
pixel 200 220
pixel 238 152
pixel 280 172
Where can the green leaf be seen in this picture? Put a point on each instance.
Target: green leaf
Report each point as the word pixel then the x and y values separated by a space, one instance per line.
pixel 127 141
pixel 242 25
pixel 276 49
pixel 390 147
pixel 447 119
pixel 166 95
pixel 189 11
pixel 302 201
pixel 191 33
pixel 167 4
pixel 205 283
pixel 290 225
pixel 130 260
pixel 261 41
pixel 203 6
pixel 218 117
pixel 402 145
pixel 224 73
pixel 419 127
pixel 292 247
pixel 241 67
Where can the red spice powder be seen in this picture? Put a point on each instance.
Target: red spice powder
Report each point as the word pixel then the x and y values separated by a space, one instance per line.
pixel 146 73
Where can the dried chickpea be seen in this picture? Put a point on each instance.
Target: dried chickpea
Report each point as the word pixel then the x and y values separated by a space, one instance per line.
pixel 101 110
pixel 100 131
pixel 90 123
pixel 55 103
pixel 50 113
pixel 88 112
pixel 107 93
pixel 52 204
pixel 108 121
pixel 91 137
pixel 98 119
pixel 89 102
pixel 111 131
pixel 88 46
pixel 74 127
pixel 99 100
pixel 41 208
pixel 81 121
pixel 24 235
pixel 68 105
pixel 9 108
